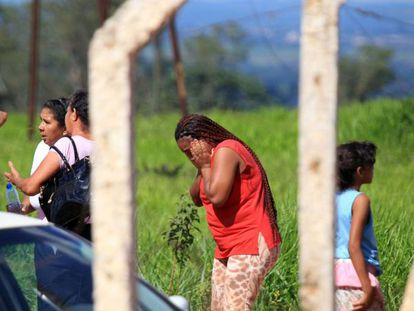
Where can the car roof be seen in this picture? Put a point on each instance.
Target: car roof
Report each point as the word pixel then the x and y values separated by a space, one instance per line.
pixel 10 220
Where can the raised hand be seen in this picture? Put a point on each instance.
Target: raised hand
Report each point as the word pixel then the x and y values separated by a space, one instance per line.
pixel 13 176
pixel 201 153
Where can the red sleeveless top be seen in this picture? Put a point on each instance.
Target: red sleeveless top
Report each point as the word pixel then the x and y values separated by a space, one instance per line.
pixel 236 225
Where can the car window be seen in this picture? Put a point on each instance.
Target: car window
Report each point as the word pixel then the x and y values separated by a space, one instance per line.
pixel 51 268
pixel 150 299
pixel 11 295
pixel 46 268
pixel 18 260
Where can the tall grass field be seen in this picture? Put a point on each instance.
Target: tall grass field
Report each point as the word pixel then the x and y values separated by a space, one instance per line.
pixel 164 175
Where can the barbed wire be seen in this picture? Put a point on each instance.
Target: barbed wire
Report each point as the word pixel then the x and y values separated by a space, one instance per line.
pixel 376 15
pixel 269 14
pixel 401 83
pixel 356 21
pixel 268 41
pixel 350 12
pixel 257 17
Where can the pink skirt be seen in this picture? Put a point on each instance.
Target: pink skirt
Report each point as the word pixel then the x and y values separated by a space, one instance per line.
pixel 349 289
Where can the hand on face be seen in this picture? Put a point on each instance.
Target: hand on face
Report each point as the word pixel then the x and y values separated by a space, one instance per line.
pixel 201 153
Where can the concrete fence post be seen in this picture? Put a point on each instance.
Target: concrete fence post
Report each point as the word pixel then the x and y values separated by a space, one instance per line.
pixel 317 141
pixel 408 300
pixel 112 54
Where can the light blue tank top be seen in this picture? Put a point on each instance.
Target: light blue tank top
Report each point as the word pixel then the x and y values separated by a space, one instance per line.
pixel 344 201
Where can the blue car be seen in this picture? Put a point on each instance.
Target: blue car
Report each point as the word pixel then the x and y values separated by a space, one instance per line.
pixel 43 267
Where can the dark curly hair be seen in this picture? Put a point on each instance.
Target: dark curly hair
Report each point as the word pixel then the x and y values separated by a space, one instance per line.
pixel 79 101
pixel 58 108
pixel 350 156
pixel 201 127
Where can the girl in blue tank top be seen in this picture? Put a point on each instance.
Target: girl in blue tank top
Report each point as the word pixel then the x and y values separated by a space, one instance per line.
pixel 356 253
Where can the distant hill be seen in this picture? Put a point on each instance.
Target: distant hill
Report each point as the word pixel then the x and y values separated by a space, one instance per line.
pixel 273 29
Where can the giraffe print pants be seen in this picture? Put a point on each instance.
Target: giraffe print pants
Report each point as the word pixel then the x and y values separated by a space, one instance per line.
pixel 236 280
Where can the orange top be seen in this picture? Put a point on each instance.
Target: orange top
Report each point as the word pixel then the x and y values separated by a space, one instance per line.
pixel 236 225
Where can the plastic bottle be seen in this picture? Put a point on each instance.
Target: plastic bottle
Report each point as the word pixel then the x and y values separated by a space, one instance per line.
pixel 12 198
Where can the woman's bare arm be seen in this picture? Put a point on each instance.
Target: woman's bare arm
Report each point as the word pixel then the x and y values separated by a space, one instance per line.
pixel 195 190
pixel 31 185
pixel 3 117
pixel 218 182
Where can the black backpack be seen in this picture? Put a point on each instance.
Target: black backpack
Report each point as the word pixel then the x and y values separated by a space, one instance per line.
pixel 65 197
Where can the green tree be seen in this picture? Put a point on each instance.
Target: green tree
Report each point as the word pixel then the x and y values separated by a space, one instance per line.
pixel 66 28
pixel 213 74
pixel 212 64
pixel 212 61
pixel 14 56
pixel 365 73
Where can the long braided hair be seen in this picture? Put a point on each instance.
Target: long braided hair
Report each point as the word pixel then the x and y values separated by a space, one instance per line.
pixel 201 127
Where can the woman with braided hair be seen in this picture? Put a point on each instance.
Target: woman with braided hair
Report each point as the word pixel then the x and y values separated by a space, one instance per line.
pixel 232 186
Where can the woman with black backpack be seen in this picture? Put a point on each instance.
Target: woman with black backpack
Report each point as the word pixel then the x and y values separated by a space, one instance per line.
pixel 59 160
pixel 65 167
pixel 51 129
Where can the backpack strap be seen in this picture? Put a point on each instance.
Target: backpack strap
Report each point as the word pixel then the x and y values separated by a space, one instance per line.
pixel 74 148
pixel 63 157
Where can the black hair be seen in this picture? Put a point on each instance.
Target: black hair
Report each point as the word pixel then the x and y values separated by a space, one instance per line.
pixel 350 156
pixel 201 127
pixel 58 108
pixel 79 101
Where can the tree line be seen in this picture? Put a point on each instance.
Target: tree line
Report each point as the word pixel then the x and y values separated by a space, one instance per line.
pixel 213 63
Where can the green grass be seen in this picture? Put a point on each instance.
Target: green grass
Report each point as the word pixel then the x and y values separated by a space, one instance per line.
pixel 23 270
pixel 272 133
